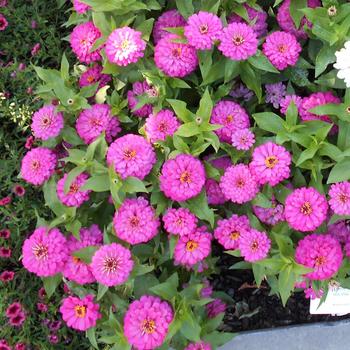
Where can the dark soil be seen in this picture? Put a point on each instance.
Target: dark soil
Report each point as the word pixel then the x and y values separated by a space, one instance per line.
pixel 253 308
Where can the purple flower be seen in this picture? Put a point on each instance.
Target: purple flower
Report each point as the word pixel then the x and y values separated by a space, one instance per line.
pixel 275 93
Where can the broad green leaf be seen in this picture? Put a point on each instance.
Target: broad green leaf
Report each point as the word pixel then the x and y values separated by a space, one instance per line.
pixel 86 253
pixel 340 172
pixel 205 107
pixel 101 291
pixel 261 62
pixel 168 289
pixel 91 334
pixel 286 282
pixel 188 130
pixel 97 183
pixel 269 121
pixel 51 283
pixel 185 7
pixel 133 185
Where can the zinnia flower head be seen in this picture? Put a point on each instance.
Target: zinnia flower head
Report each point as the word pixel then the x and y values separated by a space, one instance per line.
pixel 125 46
pixel 80 7
pixel 135 221
pixel 80 314
pixel 215 308
pixel 47 122
pixel 45 252
pixel 231 116
pixel 322 253
pixel 179 221
pixel 38 165
pixel 340 230
pixel 275 93
pixel 285 102
pixel 113 129
pixel 93 75
pixel 340 198
pixel 254 245
pixel 220 163
pixel 270 216
pixel 202 29
pixel 198 346
pixel 131 155
pixel 238 41
pixel 240 91
pixel 282 49
pixel 175 59
pixel 112 264
pixel 168 19
pixel 238 184
pixel 243 139
pixel 182 177
pixel 147 321
pixel 214 193
pixel 305 209
pixel 82 40
pixel 139 88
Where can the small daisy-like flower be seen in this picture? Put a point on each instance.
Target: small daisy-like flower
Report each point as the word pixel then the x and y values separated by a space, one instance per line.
pixel 80 314
pixel 75 197
pixel 5 233
pixel 238 184
pixel 3 22
pixel 199 346
pixel 340 198
pixel 19 190
pixel 80 7
pixel 47 123
pixel 168 19
pixel 7 276
pixel 13 309
pixel 192 248
pixel 231 116
pixel 38 165
pixel 238 41
pixel 182 177
pixel 5 252
pixel 159 126
pixel 131 155
pixel 112 264
pixel 286 101
pixel 305 209
pixel 215 308
pixel 93 75
pixel 243 139
pixel 179 221
pixel 323 253
pixel 229 231
pixel 254 245
pixel 275 93
pixel 147 321
pixel 139 88
pixel 4 345
pixel 136 221
pixel 18 320
pixel 125 46
pixel 175 59
pixel 202 29
pixel 214 193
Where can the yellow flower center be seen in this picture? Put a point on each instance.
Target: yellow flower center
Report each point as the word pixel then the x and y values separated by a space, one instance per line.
pixel 185 177
pixel 271 162
pixel 238 40
pixel 148 326
pixel 191 246
pixel 40 251
pixel 306 208
pixel 80 311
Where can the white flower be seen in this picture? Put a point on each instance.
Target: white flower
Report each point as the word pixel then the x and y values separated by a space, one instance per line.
pixel 343 63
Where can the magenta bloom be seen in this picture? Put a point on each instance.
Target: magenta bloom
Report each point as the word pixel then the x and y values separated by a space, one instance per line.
pixel 198 346
pixel 159 126
pixel 228 231
pixel 193 248
pixel 214 193
pixel 215 308
pixel 7 276
pixel 112 264
pixel 131 155
pixel 35 50
pixel 239 184
pixel 168 19
pixel 231 116
pixel 340 231
pixel 242 139
pixel 18 320
pixel 340 198
pixel 305 209
pixel 19 191
pixel 4 345
pixel 147 321
pixel 220 163
pixel 322 253
pixel 125 46
pixel 270 216
pixel 139 88
pixel 3 22
pixel 202 29
pixel 83 39
pixel 173 58
pixel 285 102
pixel 179 221
pixel 5 201
pixel 275 93
pixel 254 245
pixel 38 165
pixel 80 314
pixel 75 197
pixel 80 7
pixel 47 122
pixel 282 49
pixel 136 221
pixel 21 346
pixel 238 41
pixel 270 164
pixel 5 252
pixel 113 129
pixel 93 75
pixel 5 233
pixel 41 307
pixel 182 177
pixel 92 122
pixel 45 252
pixel 13 310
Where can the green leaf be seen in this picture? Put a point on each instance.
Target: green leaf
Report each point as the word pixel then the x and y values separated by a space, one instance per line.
pixel 261 62
pixel 231 69
pixel 188 130
pixel 295 12
pixel 91 334
pixel 190 328
pixel 324 58
pixel 70 135
pixel 97 183
pixel 72 175
pixel 51 283
pixel 181 111
pixel 144 283
pixel 286 282
pixel 74 227
pixel 285 244
pixel 292 114
pixel 133 185
pixel 309 153
pixel 259 273
pixel 205 107
pixel 64 67
pixel 251 78
pixel 269 121
pixel 340 172
pixel 146 28
pixel 86 253
pixel 101 291
pixel 168 289
pixel 185 7
pixel 261 200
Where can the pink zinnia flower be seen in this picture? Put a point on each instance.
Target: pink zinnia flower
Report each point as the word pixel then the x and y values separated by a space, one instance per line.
pixel 19 190
pixel 254 245
pixel 182 177
pixel 220 163
pixel 168 19
pixel 80 7
pixel 193 248
pixel 311 293
pixel 75 197
pixel 80 314
pixel 340 198
pixel 207 289
pixel 285 102
pixel 147 321
pixel 305 209
pixel 179 221
pixel 340 230
pixel 47 122
pixel 214 193
pixel 270 164
pixel 202 29
pixel 282 49
pixel 14 309
pixel 238 184
pixel 238 41
pixel 83 39
pixel 270 216
pixel 135 221
pixel 243 139
pixel 231 116
pixel 139 88
pixel 125 46
pixel 3 22
pixel 5 233
pixel 173 58
pixel 5 201
pixel 38 165
pixel 228 231
pixel 199 346
pixel 159 126
pixel 112 264
pixel 131 155
pixel 93 75
pixel 322 253
pixel 7 276
pixel 215 308
pixel 18 320
pixel 5 252
pixel 113 129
